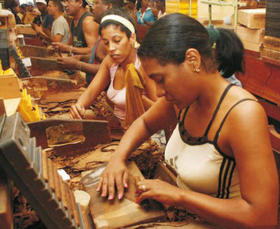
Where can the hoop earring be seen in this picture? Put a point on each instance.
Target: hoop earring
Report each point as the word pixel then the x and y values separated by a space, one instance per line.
pixel 197 70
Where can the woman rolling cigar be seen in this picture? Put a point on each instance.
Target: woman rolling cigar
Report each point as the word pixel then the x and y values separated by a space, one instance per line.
pixel 220 148
pixel 121 73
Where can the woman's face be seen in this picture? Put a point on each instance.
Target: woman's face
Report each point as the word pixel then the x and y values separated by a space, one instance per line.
pixel 175 82
pixel 116 42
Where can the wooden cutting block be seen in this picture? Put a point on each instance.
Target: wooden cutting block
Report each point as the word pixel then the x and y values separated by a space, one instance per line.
pixel 121 213
pixel 36 51
pixel 25 29
pixel 41 85
pixel 252 18
pixel 44 63
pixel 90 133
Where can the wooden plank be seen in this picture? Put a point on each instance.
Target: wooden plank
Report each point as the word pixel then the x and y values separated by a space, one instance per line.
pixel 272 110
pixel 95 132
pixel 261 78
pixel 252 18
pixel 6 220
pixel 271 43
pixel 121 213
pixel 35 51
pixel 25 30
pixel 270 53
pixel 9 87
pixel 44 63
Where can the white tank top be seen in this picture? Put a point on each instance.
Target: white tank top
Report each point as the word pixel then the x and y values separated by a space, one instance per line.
pixel 202 168
pixel 199 162
pixel 118 97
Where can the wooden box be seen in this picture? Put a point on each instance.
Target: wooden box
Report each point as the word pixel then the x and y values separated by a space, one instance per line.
pixel 252 18
pixel 250 35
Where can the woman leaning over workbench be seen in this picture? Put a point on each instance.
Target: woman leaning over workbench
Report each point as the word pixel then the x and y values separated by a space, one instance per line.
pixel 220 147
pixel 121 73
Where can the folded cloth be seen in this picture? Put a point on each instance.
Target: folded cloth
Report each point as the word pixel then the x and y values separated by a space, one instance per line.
pixel 134 84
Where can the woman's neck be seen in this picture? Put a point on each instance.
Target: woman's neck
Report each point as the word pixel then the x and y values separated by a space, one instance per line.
pixel 130 59
pixel 211 88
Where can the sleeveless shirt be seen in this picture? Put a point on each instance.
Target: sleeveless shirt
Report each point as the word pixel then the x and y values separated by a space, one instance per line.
pixel 78 38
pixel 199 163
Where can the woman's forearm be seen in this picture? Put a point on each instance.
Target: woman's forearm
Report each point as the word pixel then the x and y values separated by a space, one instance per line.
pixel 136 134
pixel 231 213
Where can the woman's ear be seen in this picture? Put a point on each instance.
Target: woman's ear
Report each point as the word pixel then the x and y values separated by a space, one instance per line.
pixel 193 59
pixel 133 39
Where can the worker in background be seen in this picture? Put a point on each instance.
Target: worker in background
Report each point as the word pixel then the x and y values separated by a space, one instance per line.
pixel 120 74
pixel 30 14
pixel 145 14
pixel 229 62
pixel 60 31
pixel 86 63
pixel 42 23
pixel 13 6
pixel 84 30
pixel 22 11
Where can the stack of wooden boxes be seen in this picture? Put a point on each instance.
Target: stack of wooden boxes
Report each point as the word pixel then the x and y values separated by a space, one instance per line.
pixel 271 47
pixel 251 27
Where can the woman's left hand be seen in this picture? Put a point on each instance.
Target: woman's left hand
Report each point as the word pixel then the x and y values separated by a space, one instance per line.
pixel 158 190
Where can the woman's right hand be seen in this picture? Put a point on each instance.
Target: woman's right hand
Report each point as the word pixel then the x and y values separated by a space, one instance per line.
pixel 77 111
pixel 114 175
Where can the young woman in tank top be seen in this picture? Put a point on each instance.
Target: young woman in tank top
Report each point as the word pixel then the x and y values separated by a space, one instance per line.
pixel 220 148
pixel 117 31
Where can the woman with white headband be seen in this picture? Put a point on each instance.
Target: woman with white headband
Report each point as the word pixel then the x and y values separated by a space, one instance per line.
pixel 128 87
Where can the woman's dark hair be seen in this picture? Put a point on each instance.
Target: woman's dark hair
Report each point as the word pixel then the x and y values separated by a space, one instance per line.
pixel 169 38
pixel 229 53
pixel 120 12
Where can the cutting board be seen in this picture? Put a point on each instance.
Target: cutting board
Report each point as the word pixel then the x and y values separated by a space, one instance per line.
pixel 125 212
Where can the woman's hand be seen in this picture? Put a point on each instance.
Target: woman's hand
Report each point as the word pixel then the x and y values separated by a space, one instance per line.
pixel 77 111
pixel 114 175
pixel 68 62
pixel 158 190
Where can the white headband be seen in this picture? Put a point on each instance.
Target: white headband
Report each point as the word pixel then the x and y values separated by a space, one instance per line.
pixel 121 20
